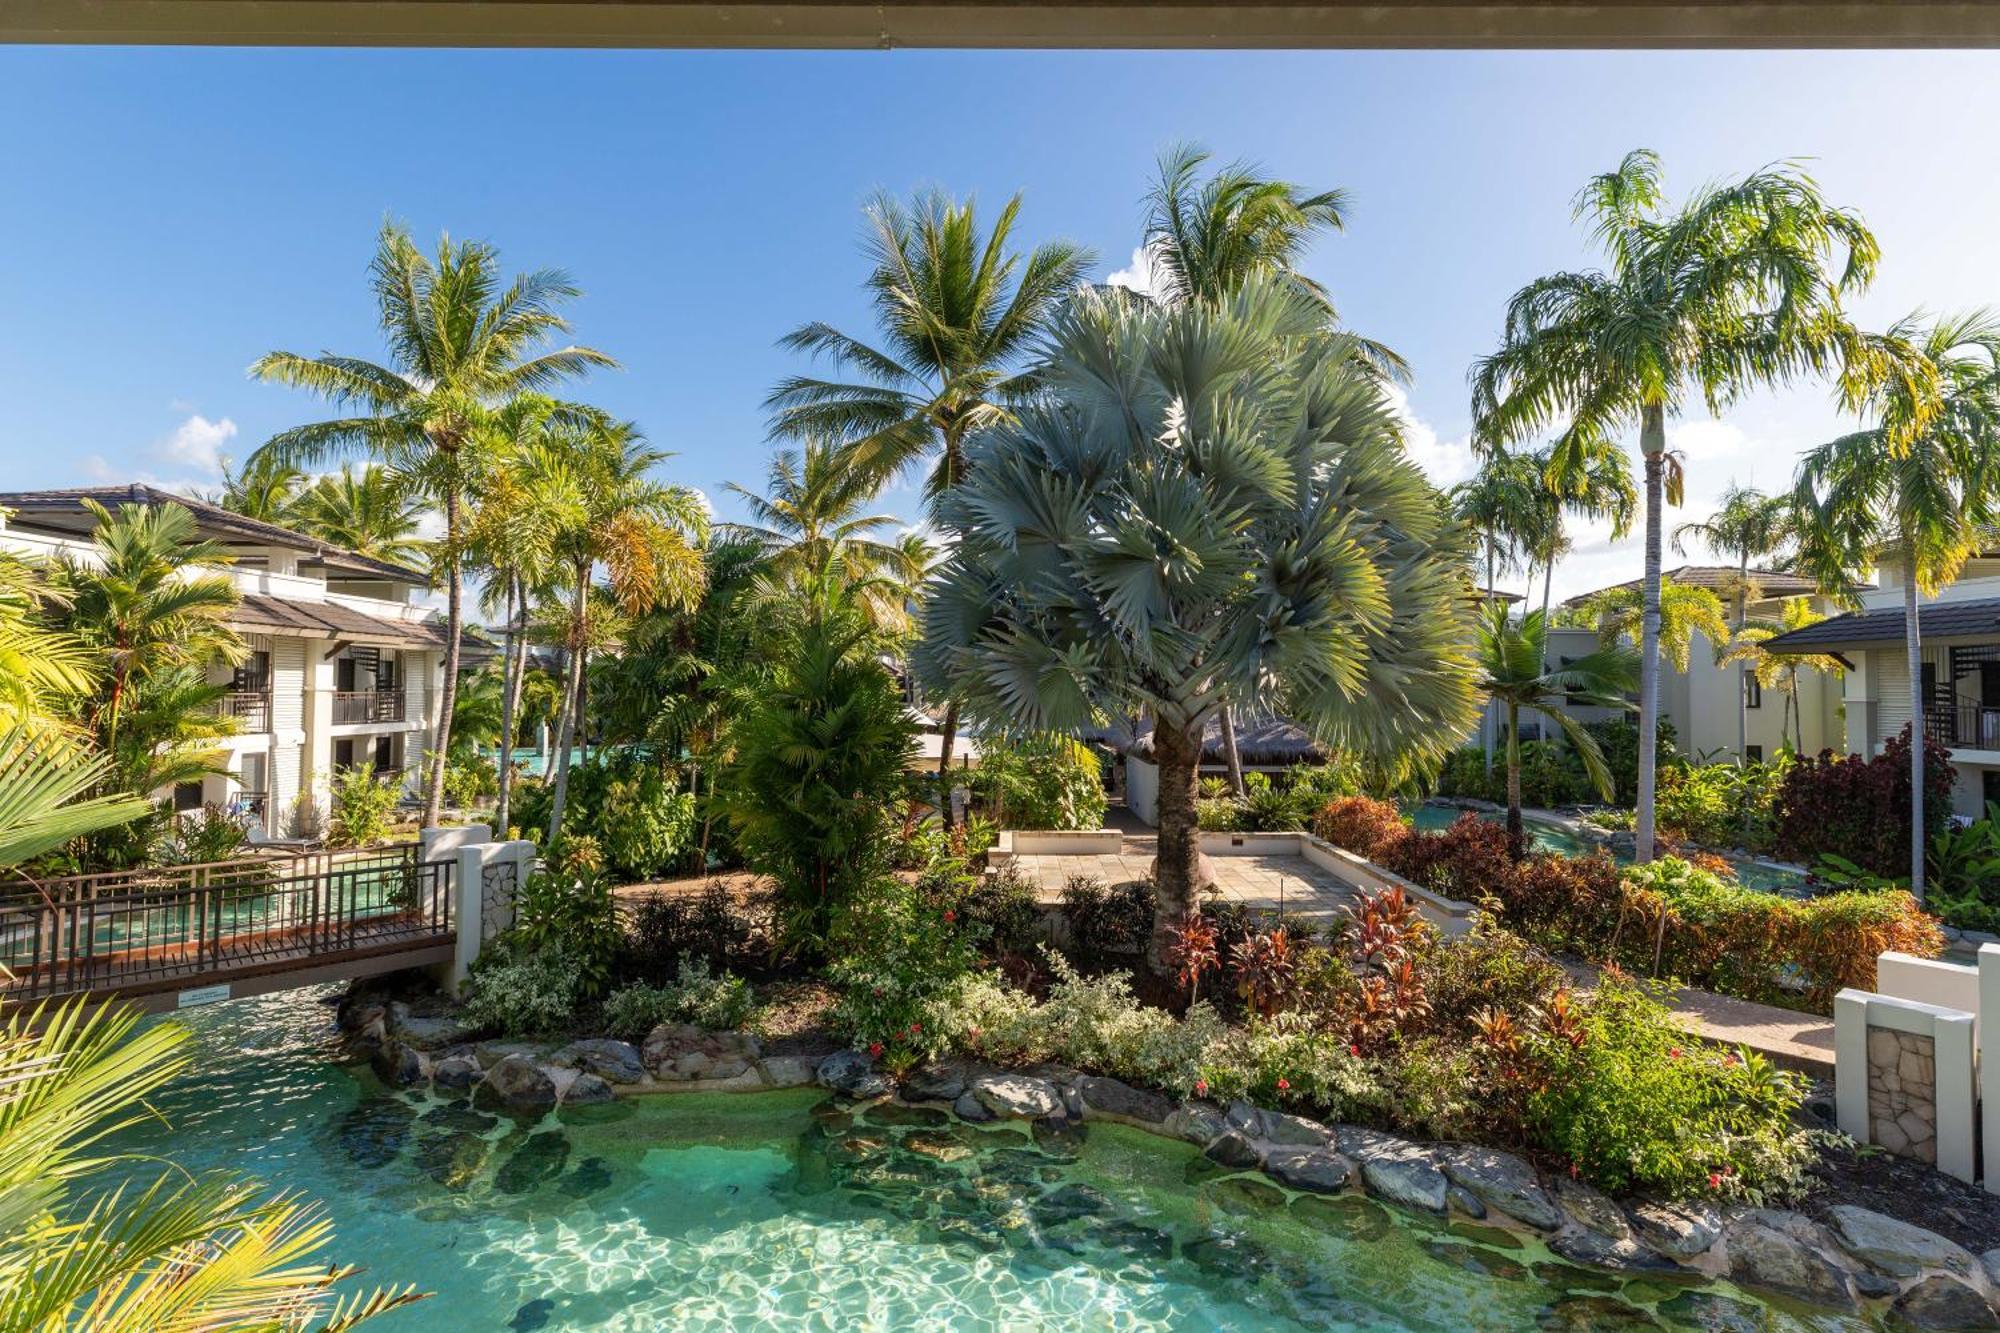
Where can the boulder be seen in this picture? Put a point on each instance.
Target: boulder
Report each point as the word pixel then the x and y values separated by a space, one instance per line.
pixel 788 1071
pixel 1396 1169
pixel 1990 1261
pixel 587 1089
pixel 517 1083
pixel 491 1053
pixel 1681 1231
pixel 1113 1100
pixel 678 1052
pixel 1501 1181
pixel 1313 1170
pixel 1234 1148
pixel 1942 1302
pixel 1198 1123
pixel 432 1032
pixel 1896 1248
pixel 398 1065
pixel 969 1107
pixel 1590 1209
pixel 611 1060
pixel 1019 1096
pixel 1768 1252
pixel 1290 1131
pixel 456 1072
pixel 851 1073
pixel 943 1081
pixel 1594 1249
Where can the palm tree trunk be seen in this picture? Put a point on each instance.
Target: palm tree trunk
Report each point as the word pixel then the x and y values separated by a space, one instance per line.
pixel 1516 836
pixel 1914 651
pixel 1177 866
pixel 454 626
pixel 510 699
pixel 1743 672
pixel 1486 723
pixel 1230 757
pixel 947 741
pixel 1653 444
pixel 1548 576
pixel 572 705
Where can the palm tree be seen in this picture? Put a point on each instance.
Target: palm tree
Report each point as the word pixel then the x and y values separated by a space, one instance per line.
pixel 1504 504
pixel 1311 569
pixel 41 670
pixel 1923 482
pixel 1781 671
pixel 644 535
pixel 460 341
pixel 959 315
pixel 810 521
pixel 267 488
pixel 1593 481
pixel 1684 611
pixel 1737 288
pixel 1513 661
pixel 1751 526
pixel 366 511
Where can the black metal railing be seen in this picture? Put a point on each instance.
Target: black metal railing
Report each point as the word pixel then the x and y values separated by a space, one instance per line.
pixel 367 706
pixel 252 708
pixel 1964 725
pixel 180 927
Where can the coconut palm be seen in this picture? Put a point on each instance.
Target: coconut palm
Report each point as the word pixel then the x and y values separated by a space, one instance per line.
pixel 1593 481
pixel 1753 527
pixel 41 670
pixel 1775 671
pixel 811 519
pixel 643 534
pixel 1513 662
pixel 960 315
pixel 1739 287
pixel 267 488
pixel 1922 482
pixel 368 511
pixel 1211 504
pixel 1684 611
pixel 461 341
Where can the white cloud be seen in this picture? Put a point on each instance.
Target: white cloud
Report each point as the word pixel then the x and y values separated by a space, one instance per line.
pixel 99 468
pixel 1445 462
pixel 1137 276
pixel 197 442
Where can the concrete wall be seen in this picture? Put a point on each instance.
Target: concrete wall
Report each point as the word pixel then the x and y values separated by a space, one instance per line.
pixel 1142 789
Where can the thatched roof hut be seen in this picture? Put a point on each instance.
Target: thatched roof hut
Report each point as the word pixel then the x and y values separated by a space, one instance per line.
pixel 1267 743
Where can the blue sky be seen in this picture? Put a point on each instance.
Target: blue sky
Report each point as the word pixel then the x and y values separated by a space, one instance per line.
pixel 168 215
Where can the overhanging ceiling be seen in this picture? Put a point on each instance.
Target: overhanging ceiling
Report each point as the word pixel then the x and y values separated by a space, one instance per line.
pixel 994 23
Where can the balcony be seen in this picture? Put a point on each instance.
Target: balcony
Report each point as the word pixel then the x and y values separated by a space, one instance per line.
pixel 1964 725
pixel 250 708
pixel 350 706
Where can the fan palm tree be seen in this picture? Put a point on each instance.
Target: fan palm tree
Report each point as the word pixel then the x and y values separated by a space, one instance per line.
pixel 811 520
pixel 461 341
pixel 1513 661
pixel 644 535
pixel 1212 503
pixel 1922 483
pixel 1737 288
pixel 960 314
pixel 367 511
pixel 1751 526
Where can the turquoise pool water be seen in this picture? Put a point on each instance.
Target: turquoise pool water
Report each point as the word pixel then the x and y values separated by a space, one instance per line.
pixel 1547 837
pixel 779 1210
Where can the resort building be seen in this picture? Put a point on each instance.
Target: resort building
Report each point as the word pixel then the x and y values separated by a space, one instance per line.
pixel 343 669
pixel 1960 676
pixel 1700 702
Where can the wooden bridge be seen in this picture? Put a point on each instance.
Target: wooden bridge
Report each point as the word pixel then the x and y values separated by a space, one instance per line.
pixel 168 938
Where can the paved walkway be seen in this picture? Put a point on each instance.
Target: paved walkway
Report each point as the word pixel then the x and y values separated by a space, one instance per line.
pixel 1263 882
pixel 1794 1040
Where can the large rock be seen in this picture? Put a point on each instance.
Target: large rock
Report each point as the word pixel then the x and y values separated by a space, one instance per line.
pixel 1894 1247
pixel 1590 1209
pixel 1275 1127
pixel 789 1071
pixel 491 1053
pixel 1776 1253
pixel 1501 1181
pixel 680 1052
pixel 1681 1231
pixel 1234 1148
pixel 1943 1302
pixel 455 1073
pixel 1616 1254
pixel 517 1083
pixel 1113 1100
pixel 398 1065
pixel 1199 1123
pixel 1019 1096
pixel 1314 1170
pixel 943 1081
pixel 432 1032
pixel 853 1074
pixel 613 1061
pixel 1396 1169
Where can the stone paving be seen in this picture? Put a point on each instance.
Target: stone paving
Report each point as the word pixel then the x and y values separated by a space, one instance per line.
pixel 1260 882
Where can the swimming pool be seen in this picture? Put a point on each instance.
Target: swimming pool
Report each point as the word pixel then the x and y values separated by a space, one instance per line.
pixel 1546 836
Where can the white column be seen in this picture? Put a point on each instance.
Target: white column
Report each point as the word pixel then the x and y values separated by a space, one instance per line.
pixel 1850 1063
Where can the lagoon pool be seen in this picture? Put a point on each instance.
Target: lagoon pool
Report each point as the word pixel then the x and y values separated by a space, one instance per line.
pixel 781 1209
pixel 1545 836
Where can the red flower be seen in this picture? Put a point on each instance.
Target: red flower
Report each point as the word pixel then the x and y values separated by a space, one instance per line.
pixel 1730 1061
pixel 950 915
pixel 915 1028
pixel 1714 1180
pixel 1354 1048
pixel 972 1032
pixel 1284 1085
pixel 1201 1087
pixel 875 1048
pixel 1674 1054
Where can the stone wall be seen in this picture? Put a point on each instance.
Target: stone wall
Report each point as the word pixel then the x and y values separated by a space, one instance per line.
pixel 1902 1093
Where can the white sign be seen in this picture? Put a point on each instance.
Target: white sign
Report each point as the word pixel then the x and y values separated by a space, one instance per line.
pixel 202 995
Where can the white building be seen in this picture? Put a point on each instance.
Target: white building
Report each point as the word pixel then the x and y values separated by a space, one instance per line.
pixel 1960 682
pixel 343 670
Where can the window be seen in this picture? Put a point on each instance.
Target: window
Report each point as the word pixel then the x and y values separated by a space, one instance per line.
pixel 1754 753
pixel 187 796
pixel 1753 691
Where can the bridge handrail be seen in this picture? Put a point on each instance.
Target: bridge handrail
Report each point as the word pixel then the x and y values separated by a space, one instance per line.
pixel 201 874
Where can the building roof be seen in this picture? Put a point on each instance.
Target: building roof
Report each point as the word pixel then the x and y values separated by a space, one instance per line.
pixel 1979 618
pixel 1267 743
pixel 51 508
pixel 258 612
pixel 1719 578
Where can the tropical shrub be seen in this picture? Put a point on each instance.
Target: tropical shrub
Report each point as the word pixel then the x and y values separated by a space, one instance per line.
pixel 1219 814
pixel 1636 1105
pixel 212 834
pixel 469 779
pixel 565 911
pixel 896 950
pixel 1361 824
pixel 1006 907
pixel 1045 781
pixel 712 1000
pixel 670 930
pixel 1105 923
pixel 524 996
pixel 362 804
pixel 631 805
pixel 1858 808
pixel 1468 860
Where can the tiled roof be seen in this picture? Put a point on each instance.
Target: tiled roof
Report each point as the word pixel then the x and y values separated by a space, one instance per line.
pixel 211 516
pixel 1770 582
pixel 1938 620
pixel 258 612
pixel 1264 743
